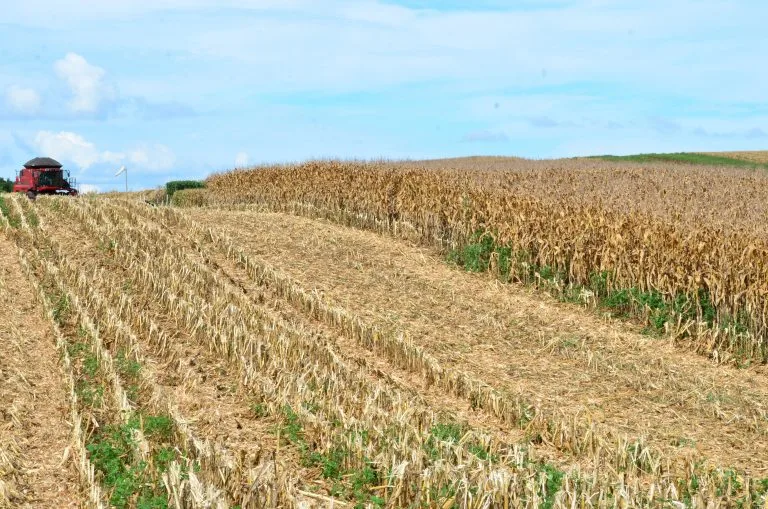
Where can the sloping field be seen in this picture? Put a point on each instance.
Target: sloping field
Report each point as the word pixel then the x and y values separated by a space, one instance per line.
pixel 753 156
pixel 257 359
pixel 518 341
pixel 722 159
pixel 683 248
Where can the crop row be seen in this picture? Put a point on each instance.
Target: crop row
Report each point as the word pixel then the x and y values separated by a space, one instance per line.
pixel 568 434
pixel 128 445
pixel 346 400
pixel 700 282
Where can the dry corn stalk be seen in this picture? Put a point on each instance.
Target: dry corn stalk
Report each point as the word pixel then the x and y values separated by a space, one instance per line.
pixel 720 272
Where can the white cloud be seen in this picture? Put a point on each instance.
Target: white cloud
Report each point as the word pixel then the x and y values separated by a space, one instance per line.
pixel 71 147
pixel 241 160
pixel 112 157
pixel 86 82
pixel 43 12
pixel 554 64
pixel 485 136
pixel 152 157
pixel 67 146
pixel 22 100
pixel 376 43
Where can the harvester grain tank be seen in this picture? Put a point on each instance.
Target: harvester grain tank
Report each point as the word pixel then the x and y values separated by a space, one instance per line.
pixel 43 175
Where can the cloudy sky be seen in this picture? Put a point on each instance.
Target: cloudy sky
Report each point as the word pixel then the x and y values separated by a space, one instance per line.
pixel 182 88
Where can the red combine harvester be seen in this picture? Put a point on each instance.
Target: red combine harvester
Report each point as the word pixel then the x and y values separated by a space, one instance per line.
pixel 43 175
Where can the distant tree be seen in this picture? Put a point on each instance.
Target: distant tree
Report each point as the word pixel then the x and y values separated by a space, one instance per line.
pixel 6 185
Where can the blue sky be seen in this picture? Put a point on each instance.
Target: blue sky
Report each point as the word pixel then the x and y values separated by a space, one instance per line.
pixel 182 88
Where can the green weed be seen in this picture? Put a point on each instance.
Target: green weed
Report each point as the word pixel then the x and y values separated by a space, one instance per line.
pixel 653 307
pixel 291 429
pixel 127 367
pixel 259 410
pixel 554 480
pixel 450 432
pixel 158 427
pixel 90 365
pixel 331 462
pixel 362 481
pixel 60 308
pixel 349 482
pixel 482 453
pixel 112 450
pixel 32 218
pixel 75 350
pixel 163 458
pixel 13 220
pixel 684 442
pixel 88 394
pixel 442 432
pixel 107 246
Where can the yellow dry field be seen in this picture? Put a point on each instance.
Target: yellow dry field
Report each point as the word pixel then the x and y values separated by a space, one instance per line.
pixel 254 359
pixel 753 156
pixel 518 341
pixel 684 248
pixel 35 470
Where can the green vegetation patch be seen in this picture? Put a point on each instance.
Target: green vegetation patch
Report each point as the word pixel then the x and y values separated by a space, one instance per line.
pixel 129 370
pixel 482 253
pixel 553 481
pixel 6 185
pixel 13 220
pixel 30 214
pixel 684 157
pixel 112 450
pixel 352 478
pixel 178 185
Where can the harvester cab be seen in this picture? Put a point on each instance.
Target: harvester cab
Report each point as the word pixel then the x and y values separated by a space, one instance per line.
pixel 43 175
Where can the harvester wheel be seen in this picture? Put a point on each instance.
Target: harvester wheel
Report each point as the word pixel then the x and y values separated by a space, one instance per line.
pixel 31 195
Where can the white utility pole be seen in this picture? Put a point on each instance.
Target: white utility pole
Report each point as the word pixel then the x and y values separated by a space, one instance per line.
pixel 123 169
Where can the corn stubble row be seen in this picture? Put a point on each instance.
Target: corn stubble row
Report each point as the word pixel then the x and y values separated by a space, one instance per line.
pixel 55 272
pixel 353 402
pixel 84 467
pixel 219 469
pixel 569 435
pixel 97 315
pixel 348 397
pixel 574 229
pixel 283 364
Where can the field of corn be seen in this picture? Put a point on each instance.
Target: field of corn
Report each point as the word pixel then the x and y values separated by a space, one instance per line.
pixel 559 335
